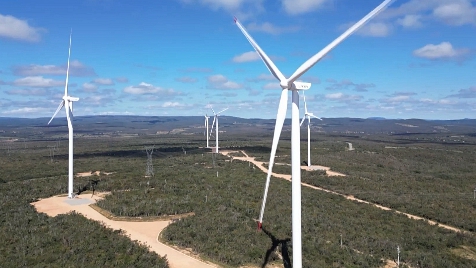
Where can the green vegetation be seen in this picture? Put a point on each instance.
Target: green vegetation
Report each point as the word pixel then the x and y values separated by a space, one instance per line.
pixel 31 239
pixel 428 174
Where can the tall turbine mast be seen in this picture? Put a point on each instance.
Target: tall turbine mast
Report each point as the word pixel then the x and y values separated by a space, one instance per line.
pixel 308 115
pixel 292 85
pixel 67 102
pixel 206 126
pixel 215 120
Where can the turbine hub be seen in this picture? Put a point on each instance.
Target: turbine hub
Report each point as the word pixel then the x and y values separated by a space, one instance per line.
pixel 284 84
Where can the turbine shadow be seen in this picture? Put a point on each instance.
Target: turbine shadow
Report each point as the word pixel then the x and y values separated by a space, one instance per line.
pixel 275 242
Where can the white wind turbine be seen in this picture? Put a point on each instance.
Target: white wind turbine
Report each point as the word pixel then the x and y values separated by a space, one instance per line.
pixel 206 126
pixel 215 119
pixel 308 115
pixel 68 103
pixel 291 84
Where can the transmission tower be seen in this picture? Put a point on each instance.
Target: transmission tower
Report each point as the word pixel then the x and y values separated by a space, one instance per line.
pixel 149 171
pixel 52 152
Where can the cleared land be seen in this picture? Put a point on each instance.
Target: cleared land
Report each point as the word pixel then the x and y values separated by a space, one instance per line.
pixel 144 232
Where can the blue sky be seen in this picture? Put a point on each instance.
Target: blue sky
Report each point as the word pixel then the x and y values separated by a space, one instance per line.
pixel 174 57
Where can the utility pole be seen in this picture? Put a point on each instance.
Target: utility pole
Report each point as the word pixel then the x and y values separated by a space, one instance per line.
pixel 398 256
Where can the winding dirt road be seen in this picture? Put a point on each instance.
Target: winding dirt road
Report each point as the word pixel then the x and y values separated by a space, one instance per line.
pixel 349 197
pixel 144 232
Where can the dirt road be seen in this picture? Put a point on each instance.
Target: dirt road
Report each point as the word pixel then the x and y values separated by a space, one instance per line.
pixel 144 232
pixel 349 197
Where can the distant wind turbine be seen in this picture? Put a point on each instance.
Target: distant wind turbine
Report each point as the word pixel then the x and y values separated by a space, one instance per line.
pixel 215 119
pixel 206 126
pixel 308 115
pixel 68 103
pixel 291 84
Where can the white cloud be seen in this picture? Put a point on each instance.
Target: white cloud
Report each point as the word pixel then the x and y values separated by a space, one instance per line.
pixel 272 85
pixel 219 81
pixel 197 70
pixel 103 81
pixel 334 96
pixel 376 29
pixel 450 12
pixel 89 87
pixel 397 99
pixel 13 28
pixel 456 13
pixel 346 83
pixel 246 57
pixel 295 7
pixel 37 81
pixel 25 111
pixel 144 88
pixel 410 21
pixel 270 28
pixel 262 77
pixel 186 79
pixel 27 92
pixel 122 79
pixel 443 50
pixel 76 68
pixel 341 97
pixel 234 6
pixel 170 104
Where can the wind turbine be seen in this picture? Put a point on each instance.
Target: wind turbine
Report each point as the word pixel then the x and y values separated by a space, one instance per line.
pixel 292 85
pixel 68 103
pixel 308 115
pixel 215 119
pixel 206 126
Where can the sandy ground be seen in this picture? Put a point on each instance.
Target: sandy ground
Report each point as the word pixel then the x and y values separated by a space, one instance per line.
pixel 90 173
pixel 349 197
pixel 144 232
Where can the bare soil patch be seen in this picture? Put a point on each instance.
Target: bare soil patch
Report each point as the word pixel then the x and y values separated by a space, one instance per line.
pixel 90 173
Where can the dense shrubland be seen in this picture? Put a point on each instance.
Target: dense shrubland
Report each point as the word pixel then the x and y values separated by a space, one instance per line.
pixel 433 182
pixel 31 239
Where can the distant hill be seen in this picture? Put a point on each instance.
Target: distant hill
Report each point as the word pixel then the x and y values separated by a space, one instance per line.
pixel 148 125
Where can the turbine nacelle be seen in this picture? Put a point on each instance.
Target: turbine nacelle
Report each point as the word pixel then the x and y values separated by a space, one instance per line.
pixel 296 85
pixel 301 85
pixel 70 99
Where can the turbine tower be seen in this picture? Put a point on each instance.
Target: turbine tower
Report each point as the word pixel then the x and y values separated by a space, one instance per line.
pixel 308 115
pixel 292 85
pixel 215 119
pixel 206 126
pixel 67 102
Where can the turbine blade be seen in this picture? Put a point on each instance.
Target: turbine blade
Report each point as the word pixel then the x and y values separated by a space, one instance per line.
pixel 316 117
pixel 283 106
pixel 317 57
pixel 211 130
pixel 267 61
pixel 305 105
pixel 303 118
pixel 67 68
pixel 71 109
pixel 222 111
pixel 57 110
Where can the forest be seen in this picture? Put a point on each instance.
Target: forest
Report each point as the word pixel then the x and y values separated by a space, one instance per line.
pixel 428 174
